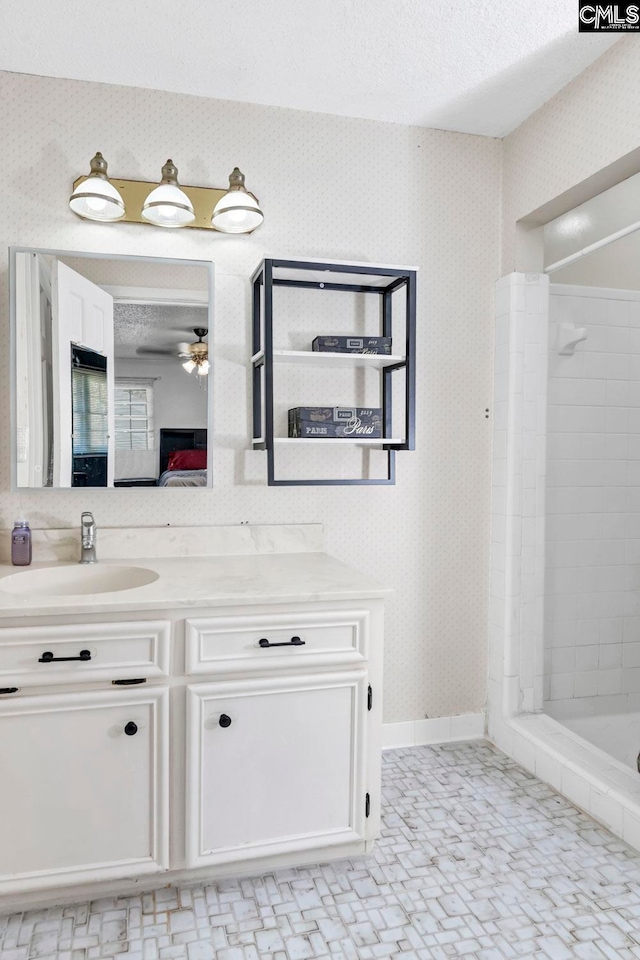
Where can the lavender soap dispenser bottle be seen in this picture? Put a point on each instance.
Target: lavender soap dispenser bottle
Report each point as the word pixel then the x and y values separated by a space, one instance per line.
pixel 21 544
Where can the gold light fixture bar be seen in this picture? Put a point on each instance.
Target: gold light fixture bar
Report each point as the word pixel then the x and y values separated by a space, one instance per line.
pixel 135 192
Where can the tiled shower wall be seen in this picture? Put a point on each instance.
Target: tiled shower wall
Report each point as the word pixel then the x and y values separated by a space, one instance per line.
pixel 592 604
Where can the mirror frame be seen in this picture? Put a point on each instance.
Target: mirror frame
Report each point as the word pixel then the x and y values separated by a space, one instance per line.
pixel 208 265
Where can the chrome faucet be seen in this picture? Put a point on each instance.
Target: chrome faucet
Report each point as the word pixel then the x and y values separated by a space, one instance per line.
pixel 87 538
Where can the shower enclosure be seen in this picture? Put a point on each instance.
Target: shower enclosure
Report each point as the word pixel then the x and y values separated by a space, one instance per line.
pixel 564 665
pixel 592 557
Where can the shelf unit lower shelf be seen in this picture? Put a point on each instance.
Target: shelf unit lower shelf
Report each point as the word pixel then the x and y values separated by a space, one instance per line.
pixel 340 441
pixel 382 282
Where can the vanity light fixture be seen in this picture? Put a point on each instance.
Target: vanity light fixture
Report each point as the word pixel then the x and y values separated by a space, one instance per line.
pixel 231 210
pixel 238 211
pixel 167 205
pixel 96 198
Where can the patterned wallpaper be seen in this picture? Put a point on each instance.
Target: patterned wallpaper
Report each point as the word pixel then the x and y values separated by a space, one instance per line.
pixel 335 188
pixel 588 125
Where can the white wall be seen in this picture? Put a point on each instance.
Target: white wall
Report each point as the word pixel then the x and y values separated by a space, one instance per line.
pixel 615 265
pixel 591 123
pixel 331 187
pixel 601 216
pixel 592 615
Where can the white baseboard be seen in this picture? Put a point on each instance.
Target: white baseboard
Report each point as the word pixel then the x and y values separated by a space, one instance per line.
pixel 415 733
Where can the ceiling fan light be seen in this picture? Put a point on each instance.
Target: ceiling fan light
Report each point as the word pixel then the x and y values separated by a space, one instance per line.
pixel 238 211
pixel 197 354
pixel 167 205
pixel 96 198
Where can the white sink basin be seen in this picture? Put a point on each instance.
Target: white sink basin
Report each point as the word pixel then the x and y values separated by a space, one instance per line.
pixel 77 579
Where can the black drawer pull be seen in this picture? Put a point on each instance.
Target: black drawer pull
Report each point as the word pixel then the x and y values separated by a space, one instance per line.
pixel 224 720
pixel 294 642
pixel 128 683
pixel 8 690
pixel 48 657
pixel 131 728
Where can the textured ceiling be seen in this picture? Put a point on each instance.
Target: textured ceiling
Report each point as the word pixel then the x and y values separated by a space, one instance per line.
pixel 155 327
pixel 480 67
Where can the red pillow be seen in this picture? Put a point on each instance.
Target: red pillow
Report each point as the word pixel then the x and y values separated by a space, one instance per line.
pixel 187 460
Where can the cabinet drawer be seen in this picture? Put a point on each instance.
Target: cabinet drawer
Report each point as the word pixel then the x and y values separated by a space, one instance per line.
pixel 228 644
pixel 96 651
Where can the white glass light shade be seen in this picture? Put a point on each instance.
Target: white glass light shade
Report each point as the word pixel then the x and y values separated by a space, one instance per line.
pixel 203 368
pixel 96 198
pixel 237 211
pixel 167 205
pixel 189 365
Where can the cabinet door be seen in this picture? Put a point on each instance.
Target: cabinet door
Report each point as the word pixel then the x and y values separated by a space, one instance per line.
pixel 275 766
pixel 84 787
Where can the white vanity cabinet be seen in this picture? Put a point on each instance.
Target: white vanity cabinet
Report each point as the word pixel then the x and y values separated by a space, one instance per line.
pixel 282 744
pixel 84 785
pixel 162 744
pixel 83 760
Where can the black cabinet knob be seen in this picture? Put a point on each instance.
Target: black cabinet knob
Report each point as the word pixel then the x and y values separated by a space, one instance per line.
pixel 224 720
pixel 131 728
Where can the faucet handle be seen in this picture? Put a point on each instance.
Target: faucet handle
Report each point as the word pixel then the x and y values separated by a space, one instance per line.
pixel 87 538
pixel 87 529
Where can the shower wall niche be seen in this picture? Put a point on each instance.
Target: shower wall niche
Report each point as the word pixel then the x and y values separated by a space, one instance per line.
pixel 592 549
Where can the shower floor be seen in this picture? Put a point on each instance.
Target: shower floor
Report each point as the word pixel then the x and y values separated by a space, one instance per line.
pixel 618 734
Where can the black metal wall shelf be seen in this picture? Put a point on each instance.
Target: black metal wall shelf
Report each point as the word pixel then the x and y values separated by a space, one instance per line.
pixel 382 281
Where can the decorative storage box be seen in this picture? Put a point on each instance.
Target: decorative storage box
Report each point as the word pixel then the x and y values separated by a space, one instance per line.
pixel 352 344
pixel 331 422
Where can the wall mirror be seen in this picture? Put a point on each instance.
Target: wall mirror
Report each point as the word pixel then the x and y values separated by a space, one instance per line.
pixel 111 370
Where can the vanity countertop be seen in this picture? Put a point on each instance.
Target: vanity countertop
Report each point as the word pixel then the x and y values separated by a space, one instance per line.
pixel 202 582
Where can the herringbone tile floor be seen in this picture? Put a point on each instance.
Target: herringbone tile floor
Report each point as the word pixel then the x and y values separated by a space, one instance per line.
pixel 478 859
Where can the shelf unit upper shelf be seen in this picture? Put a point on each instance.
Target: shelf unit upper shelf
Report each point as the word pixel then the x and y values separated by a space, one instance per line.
pixel 377 280
pixel 374 361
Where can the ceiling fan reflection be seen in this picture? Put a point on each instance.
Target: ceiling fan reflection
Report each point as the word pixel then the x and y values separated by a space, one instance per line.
pixel 195 355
